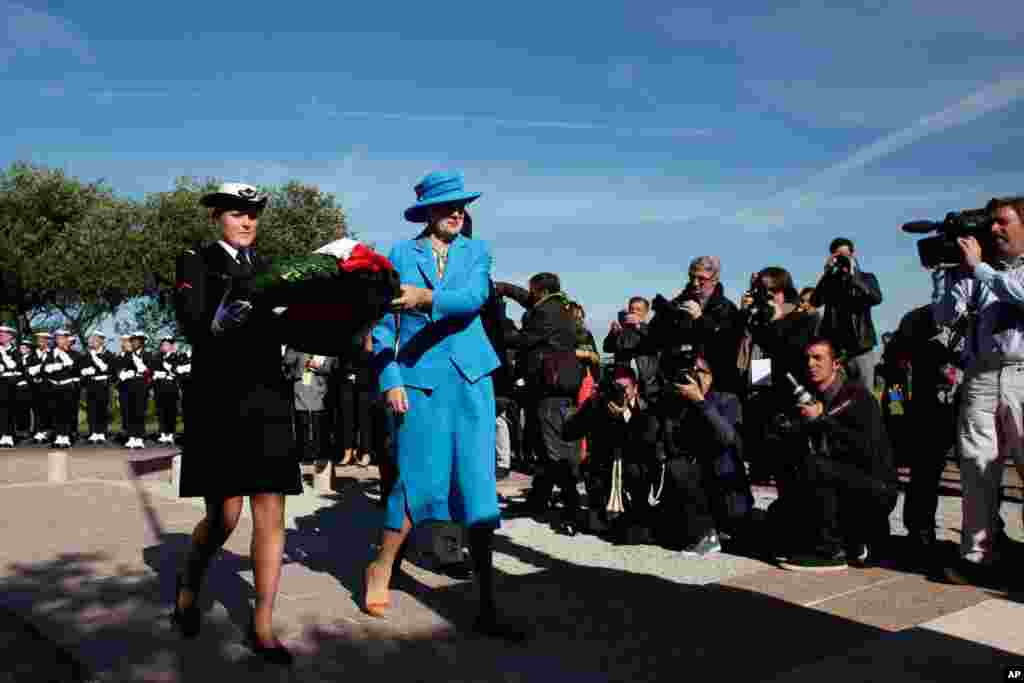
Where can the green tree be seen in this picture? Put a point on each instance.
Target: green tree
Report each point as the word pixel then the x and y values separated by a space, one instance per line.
pixel 68 249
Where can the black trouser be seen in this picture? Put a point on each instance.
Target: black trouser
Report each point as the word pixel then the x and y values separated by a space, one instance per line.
pixel 64 402
pixel 8 406
pixel 23 408
pixel 559 458
pixel 354 430
pixel 97 403
pixel 684 512
pixel 935 429
pixel 311 441
pixel 41 406
pixel 166 395
pixel 828 505
pixel 134 394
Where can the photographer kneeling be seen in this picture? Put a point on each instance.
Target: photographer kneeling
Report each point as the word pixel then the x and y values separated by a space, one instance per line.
pixel 701 486
pixel 622 433
pixel 838 482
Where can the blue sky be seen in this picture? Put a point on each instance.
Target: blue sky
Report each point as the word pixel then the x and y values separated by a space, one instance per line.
pixel 613 141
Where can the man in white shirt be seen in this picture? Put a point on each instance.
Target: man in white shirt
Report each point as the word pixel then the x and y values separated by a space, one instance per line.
pixel 991 422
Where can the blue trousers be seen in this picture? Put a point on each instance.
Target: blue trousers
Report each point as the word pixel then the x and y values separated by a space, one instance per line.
pixel 444 446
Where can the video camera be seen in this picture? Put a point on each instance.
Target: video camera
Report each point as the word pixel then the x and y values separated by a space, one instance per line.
pixel 942 250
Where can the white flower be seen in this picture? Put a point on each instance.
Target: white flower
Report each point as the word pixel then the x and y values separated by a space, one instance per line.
pixel 339 249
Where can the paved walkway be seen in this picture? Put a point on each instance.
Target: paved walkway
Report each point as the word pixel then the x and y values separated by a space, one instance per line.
pixel 88 567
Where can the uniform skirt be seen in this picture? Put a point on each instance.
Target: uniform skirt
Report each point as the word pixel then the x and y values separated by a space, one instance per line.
pixel 240 446
pixel 445 450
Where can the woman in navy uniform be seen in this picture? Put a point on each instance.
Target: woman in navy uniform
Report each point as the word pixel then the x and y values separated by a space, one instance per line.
pixel 239 437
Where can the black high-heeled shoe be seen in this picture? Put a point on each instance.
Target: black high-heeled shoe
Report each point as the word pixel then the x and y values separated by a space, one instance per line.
pixel 187 620
pixel 278 654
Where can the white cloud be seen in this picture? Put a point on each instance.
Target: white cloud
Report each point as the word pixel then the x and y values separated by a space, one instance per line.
pixel 30 33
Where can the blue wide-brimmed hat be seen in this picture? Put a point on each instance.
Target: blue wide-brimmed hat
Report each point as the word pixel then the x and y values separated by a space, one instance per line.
pixel 439 187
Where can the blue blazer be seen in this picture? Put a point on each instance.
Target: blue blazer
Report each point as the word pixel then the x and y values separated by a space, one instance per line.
pixel 451 333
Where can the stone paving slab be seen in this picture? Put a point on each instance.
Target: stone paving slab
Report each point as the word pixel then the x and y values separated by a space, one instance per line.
pixel 95 561
pixel 973 644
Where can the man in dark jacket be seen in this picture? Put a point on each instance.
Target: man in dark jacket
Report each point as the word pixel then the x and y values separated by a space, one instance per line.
pixel 848 294
pixel 703 317
pixel 626 337
pixel 546 356
pixel 839 484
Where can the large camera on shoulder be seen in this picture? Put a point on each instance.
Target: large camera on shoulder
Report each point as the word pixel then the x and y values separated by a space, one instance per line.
pixel 942 250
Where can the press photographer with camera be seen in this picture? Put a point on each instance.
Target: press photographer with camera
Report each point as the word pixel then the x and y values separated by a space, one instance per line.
pixel 776 331
pixel 837 482
pixel 627 336
pixel 701 316
pixel 848 294
pixel 618 424
pixel 699 486
pixel 989 296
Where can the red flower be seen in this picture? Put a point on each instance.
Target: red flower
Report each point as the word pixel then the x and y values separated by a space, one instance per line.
pixel 365 259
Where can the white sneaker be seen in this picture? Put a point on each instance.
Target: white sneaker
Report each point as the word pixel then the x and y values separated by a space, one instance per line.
pixel 7 441
pixel 93 438
pixel 130 443
pixel 39 437
pixel 170 439
pixel 101 438
pixel 139 443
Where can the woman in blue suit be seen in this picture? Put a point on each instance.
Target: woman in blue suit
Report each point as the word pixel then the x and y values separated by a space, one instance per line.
pixel 435 363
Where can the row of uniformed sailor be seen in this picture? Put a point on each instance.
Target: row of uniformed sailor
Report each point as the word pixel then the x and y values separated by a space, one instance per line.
pixel 49 383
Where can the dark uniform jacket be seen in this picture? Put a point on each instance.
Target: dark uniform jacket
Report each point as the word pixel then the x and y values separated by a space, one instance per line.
pixel 134 366
pixel 12 370
pixel 60 368
pixel 98 366
pixel 240 413
pixel 34 366
pixel 165 370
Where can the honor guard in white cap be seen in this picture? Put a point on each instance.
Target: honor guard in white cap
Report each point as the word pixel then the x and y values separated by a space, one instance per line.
pixel 135 369
pixel 42 421
pixel 11 371
pixel 23 392
pixel 98 374
pixel 165 388
pixel 60 370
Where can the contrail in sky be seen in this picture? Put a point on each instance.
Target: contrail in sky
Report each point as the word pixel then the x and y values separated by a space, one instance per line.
pixel 990 98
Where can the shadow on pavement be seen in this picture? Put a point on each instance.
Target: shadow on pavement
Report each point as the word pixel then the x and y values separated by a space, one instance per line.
pixel 590 624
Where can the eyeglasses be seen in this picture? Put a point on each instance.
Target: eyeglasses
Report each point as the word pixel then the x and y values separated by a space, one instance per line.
pixel 702 280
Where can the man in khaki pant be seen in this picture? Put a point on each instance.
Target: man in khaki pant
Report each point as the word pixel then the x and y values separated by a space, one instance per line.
pixel 991 423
